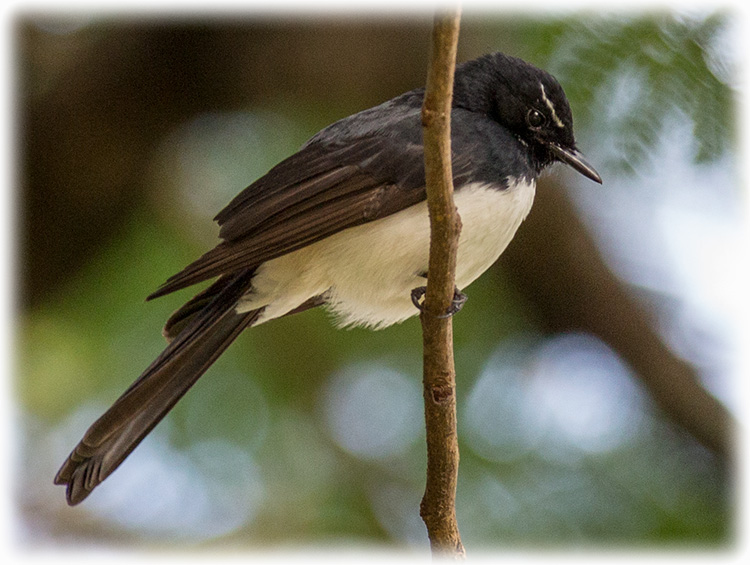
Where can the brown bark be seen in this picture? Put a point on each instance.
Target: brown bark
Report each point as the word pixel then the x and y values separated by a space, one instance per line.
pixel 438 504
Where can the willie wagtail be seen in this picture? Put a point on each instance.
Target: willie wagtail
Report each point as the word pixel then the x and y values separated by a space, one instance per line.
pixel 343 224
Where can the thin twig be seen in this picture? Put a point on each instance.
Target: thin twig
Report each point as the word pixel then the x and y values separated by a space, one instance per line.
pixel 438 504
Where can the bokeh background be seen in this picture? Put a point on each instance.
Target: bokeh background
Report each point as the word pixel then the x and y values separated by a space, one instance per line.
pixel 597 361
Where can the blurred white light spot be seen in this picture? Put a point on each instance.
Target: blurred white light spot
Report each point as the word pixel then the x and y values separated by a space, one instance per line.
pixel 498 424
pixel 207 491
pixel 587 393
pixel 147 493
pixel 212 157
pixel 396 507
pixel 707 251
pixel 675 228
pixel 373 412
pixel 571 394
pixel 232 483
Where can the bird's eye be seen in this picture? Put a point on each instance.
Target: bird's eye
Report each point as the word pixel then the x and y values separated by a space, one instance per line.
pixel 535 119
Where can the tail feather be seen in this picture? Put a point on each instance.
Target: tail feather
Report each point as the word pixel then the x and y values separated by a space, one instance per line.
pixel 191 352
pixel 180 319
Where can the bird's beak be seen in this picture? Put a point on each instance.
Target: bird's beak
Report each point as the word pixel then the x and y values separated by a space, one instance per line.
pixel 573 158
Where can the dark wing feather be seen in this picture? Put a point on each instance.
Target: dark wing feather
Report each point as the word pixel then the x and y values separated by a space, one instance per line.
pixel 328 190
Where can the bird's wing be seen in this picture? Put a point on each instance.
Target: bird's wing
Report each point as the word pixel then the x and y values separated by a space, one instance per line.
pixel 321 190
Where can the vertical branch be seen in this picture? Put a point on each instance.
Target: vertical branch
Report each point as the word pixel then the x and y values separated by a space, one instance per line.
pixel 438 504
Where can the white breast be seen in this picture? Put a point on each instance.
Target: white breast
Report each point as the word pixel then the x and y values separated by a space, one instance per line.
pixel 369 270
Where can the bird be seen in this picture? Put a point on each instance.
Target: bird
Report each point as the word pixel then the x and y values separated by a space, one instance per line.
pixel 343 224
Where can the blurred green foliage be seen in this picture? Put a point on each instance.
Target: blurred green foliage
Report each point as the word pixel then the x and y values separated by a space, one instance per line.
pixel 642 70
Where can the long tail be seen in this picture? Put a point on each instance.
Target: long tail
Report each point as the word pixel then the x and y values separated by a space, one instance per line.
pixel 192 351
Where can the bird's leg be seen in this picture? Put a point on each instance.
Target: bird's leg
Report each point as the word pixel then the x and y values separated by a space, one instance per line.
pixel 459 299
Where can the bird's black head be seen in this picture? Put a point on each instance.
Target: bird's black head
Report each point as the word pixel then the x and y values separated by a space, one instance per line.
pixel 527 101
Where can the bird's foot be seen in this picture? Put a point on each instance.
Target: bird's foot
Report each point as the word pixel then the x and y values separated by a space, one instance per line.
pixel 459 299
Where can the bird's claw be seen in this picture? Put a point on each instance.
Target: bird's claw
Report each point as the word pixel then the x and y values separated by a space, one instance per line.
pixel 459 299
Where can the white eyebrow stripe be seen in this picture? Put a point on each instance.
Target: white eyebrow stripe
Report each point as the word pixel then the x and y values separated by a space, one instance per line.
pixel 551 107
